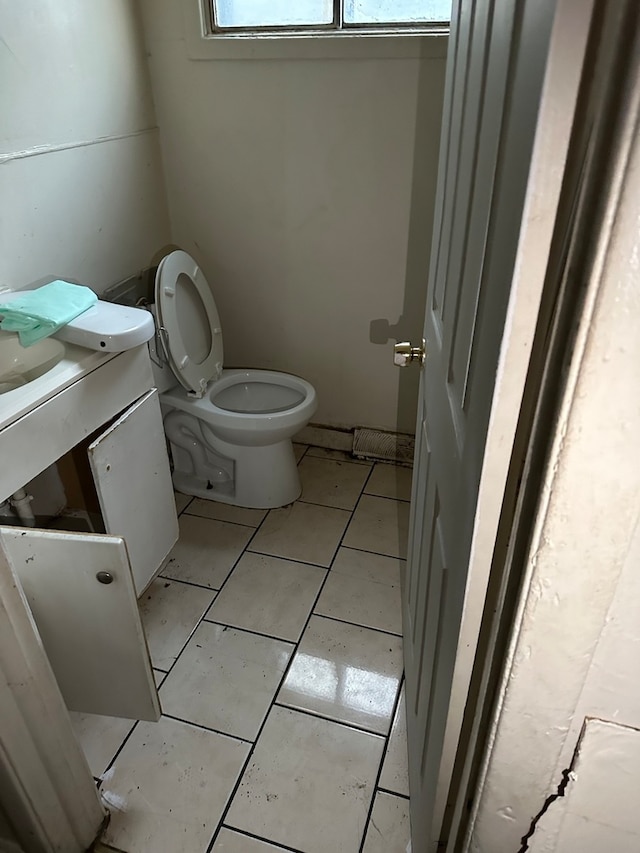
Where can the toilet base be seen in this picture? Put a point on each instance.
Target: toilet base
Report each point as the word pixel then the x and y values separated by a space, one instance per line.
pixel 264 478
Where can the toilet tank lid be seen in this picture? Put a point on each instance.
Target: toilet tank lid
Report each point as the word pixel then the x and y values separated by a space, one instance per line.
pixel 105 327
pixel 108 327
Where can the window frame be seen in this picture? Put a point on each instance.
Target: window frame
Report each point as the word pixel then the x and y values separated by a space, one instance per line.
pixel 407 43
pixel 338 26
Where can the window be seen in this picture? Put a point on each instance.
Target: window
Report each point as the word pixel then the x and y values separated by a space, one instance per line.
pixel 326 16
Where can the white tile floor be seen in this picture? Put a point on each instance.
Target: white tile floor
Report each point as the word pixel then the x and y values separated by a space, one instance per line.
pixel 276 639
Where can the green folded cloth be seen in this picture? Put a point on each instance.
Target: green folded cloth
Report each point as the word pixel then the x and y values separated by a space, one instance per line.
pixel 36 314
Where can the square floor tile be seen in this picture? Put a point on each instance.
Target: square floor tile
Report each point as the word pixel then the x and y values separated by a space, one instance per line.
pixel 302 532
pixel 395 770
pixel 182 501
pixel 380 525
pixel 225 679
pixel 363 588
pixel 100 738
pixel 340 455
pixel 170 611
pixel 268 595
pixel 331 483
pixel 389 829
pixel 226 512
pixel 229 841
pixel 206 551
pixel 308 784
pixel 344 672
pixel 390 481
pixel 169 786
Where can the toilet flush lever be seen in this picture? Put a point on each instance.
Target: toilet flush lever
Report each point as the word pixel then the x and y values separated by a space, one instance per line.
pixel 405 354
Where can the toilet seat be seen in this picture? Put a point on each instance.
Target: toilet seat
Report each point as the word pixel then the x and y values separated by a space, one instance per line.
pixel 189 322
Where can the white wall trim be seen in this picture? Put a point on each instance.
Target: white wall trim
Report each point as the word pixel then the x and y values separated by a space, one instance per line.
pixel 36 150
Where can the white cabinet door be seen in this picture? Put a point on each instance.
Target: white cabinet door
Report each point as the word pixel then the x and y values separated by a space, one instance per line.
pixel 131 472
pixel 90 630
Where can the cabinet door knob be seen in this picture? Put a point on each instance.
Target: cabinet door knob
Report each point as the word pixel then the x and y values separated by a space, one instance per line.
pixel 405 354
pixel 105 577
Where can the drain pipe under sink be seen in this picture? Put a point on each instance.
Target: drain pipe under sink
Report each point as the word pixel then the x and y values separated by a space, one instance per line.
pixel 21 503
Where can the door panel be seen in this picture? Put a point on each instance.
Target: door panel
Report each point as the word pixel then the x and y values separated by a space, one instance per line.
pixel 91 631
pixel 131 472
pixel 494 79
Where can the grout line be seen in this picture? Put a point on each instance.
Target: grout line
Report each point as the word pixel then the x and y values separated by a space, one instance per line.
pixel 388 498
pixel 189 583
pixel 377 553
pixel 241 628
pixel 304 453
pixel 382 760
pixel 288 559
pixel 207 728
pixel 318 716
pixel 337 461
pixel 222 520
pixel 325 506
pixel 358 625
pixel 380 789
pixel 118 751
pixel 248 834
pixel 187 505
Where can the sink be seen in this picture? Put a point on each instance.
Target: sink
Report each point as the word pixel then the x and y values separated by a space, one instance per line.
pixel 20 365
pixel 30 376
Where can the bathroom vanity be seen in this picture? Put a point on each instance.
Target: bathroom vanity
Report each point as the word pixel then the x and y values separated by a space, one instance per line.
pixel 83 588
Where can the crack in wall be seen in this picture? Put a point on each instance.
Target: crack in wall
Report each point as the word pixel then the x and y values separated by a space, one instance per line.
pixel 567 776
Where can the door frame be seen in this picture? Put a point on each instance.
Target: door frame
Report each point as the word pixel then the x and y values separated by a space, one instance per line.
pixel 503 454
pixel 47 788
pixel 596 260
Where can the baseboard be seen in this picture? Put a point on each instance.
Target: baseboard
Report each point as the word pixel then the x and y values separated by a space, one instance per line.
pixel 362 443
pixel 329 437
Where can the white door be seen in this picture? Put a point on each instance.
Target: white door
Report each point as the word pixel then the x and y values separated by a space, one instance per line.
pixel 131 472
pixel 81 594
pixel 495 71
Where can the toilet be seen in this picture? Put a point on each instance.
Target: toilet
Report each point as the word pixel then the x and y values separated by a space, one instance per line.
pixel 229 430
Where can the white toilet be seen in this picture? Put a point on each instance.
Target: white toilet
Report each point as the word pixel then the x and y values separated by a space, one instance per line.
pixel 230 430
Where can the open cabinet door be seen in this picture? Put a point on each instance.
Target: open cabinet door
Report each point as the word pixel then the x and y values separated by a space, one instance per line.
pixel 131 471
pixel 81 593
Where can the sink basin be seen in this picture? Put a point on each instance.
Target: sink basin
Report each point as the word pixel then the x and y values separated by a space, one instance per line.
pixel 20 365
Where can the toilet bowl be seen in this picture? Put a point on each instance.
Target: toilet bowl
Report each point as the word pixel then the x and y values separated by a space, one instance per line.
pixel 229 430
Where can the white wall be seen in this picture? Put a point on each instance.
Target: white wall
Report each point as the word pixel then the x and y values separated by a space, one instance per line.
pixel 80 173
pixel 290 181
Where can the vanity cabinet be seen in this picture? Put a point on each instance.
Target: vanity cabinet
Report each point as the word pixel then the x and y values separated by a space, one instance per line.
pixel 82 589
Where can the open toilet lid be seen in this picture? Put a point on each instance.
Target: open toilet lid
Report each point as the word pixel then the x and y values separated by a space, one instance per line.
pixel 188 314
